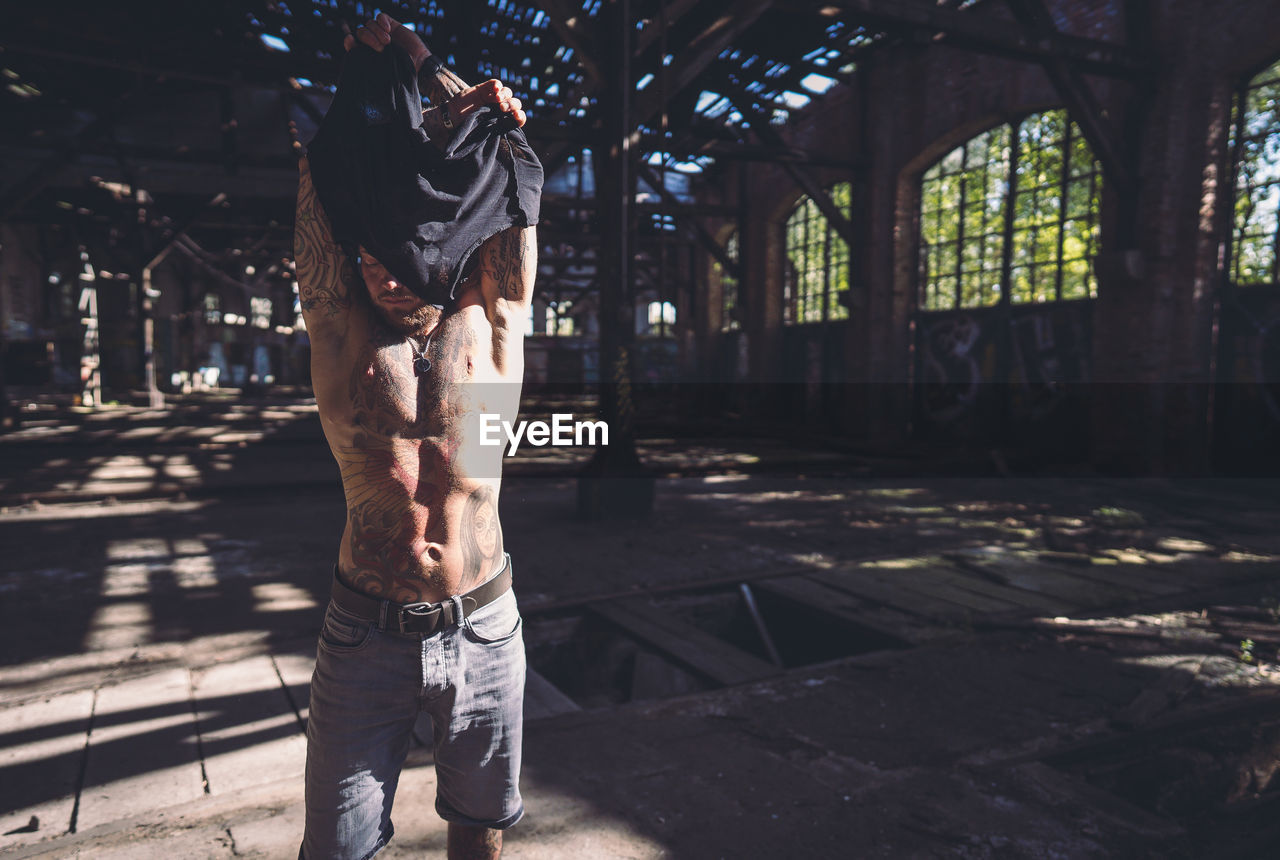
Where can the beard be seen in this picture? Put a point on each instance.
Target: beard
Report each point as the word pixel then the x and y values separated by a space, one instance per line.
pixel 410 322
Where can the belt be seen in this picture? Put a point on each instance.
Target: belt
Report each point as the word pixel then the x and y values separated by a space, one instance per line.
pixel 419 617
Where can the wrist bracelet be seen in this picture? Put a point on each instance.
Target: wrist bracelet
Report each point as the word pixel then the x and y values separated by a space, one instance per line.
pixel 430 65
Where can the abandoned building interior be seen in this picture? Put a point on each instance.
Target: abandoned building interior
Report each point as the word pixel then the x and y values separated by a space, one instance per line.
pixel 939 346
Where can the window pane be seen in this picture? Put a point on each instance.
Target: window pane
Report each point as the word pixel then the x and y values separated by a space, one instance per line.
pixel 964 200
pixel 961 209
pixel 942 294
pixel 1075 279
pixel 820 256
pixel 1257 204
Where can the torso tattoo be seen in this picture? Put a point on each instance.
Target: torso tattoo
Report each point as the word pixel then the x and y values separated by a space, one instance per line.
pixel 421 493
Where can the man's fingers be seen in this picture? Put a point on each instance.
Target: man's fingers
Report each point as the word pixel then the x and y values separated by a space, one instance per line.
pixel 368 38
pixel 381 27
pixel 375 33
pixel 490 92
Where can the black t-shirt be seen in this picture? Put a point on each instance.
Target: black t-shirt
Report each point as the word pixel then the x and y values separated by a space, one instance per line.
pixel 419 209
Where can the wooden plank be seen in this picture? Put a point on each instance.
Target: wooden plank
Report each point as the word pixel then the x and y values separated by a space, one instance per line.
pixel 895 597
pixel 1023 571
pixel 142 751
pixel 295 670
pixel 1192 574
pixel 880 619
pixel 1025 600
pixel 1146 578
pixel 705 654
pixel 900 592
pixel 40 754
pixel 941 580
pixel 248 729
pixel 933 581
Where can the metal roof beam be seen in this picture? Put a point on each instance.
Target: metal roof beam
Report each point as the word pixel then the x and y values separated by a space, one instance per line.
pixel 1078 96
pixel 987 34
pixel 705 239
pixel 770 137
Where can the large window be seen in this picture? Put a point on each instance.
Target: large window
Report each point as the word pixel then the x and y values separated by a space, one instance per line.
pixel 999 218
pixel 817 271
pixel 1257 215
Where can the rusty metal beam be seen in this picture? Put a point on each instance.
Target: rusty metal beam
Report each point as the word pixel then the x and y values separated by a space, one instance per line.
pixel 759 122
pixel 576 30
pixel 984 33
pixel 20 192
pixel 736 17
pixel 705 239
pixel 1081 102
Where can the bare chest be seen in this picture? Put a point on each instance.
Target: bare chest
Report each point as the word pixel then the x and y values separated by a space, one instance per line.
pixel 401 387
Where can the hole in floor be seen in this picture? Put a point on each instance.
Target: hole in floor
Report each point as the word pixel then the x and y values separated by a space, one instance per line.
pixel 801 634
pixel 594 663
pixel 614 652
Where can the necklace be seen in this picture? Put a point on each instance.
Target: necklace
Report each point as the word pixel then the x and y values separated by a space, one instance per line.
pixel 421 364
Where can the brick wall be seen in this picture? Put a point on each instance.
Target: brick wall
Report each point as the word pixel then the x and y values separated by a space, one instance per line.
pixel 913 102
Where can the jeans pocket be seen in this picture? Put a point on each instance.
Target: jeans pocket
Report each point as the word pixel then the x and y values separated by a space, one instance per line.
pixel 344 632
pixel 495 623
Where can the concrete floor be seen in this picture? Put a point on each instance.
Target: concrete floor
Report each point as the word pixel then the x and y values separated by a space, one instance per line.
pixel 974 666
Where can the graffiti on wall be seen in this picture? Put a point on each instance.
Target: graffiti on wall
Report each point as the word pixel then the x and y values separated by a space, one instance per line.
pixel 1047 348
pixel 951 373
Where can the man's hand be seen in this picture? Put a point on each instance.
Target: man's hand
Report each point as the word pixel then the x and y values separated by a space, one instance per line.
pixel 490 92
pixel 381 31
pixel 384 30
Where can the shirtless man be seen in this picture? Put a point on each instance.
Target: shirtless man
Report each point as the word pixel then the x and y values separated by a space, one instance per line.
pixel 422 617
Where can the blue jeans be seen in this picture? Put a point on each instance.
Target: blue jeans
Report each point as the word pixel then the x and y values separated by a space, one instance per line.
pixel 368 688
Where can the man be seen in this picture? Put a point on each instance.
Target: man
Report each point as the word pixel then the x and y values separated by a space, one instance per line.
pixel 422 618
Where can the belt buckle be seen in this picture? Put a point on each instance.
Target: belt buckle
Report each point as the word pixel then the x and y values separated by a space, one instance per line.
pixel 418 610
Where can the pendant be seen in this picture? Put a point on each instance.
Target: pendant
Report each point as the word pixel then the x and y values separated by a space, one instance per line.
pixel 421 365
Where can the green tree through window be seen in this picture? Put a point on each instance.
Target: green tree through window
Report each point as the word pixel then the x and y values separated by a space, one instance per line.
pixel 817 261
pixel 1257 208
pixel 974 249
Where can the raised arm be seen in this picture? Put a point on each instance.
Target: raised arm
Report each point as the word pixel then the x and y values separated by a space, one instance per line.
pixel 326 276
pixel 506 271
pixel 451 98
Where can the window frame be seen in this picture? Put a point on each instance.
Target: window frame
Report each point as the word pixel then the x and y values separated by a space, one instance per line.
pixel 1012 257
pixel 830 307
pixel 1269 75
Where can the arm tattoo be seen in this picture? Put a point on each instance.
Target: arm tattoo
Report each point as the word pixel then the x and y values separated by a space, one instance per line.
pixel 436 130
pixel 439 87
pixel 325 274
pixel 506 258
pixel 442 85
